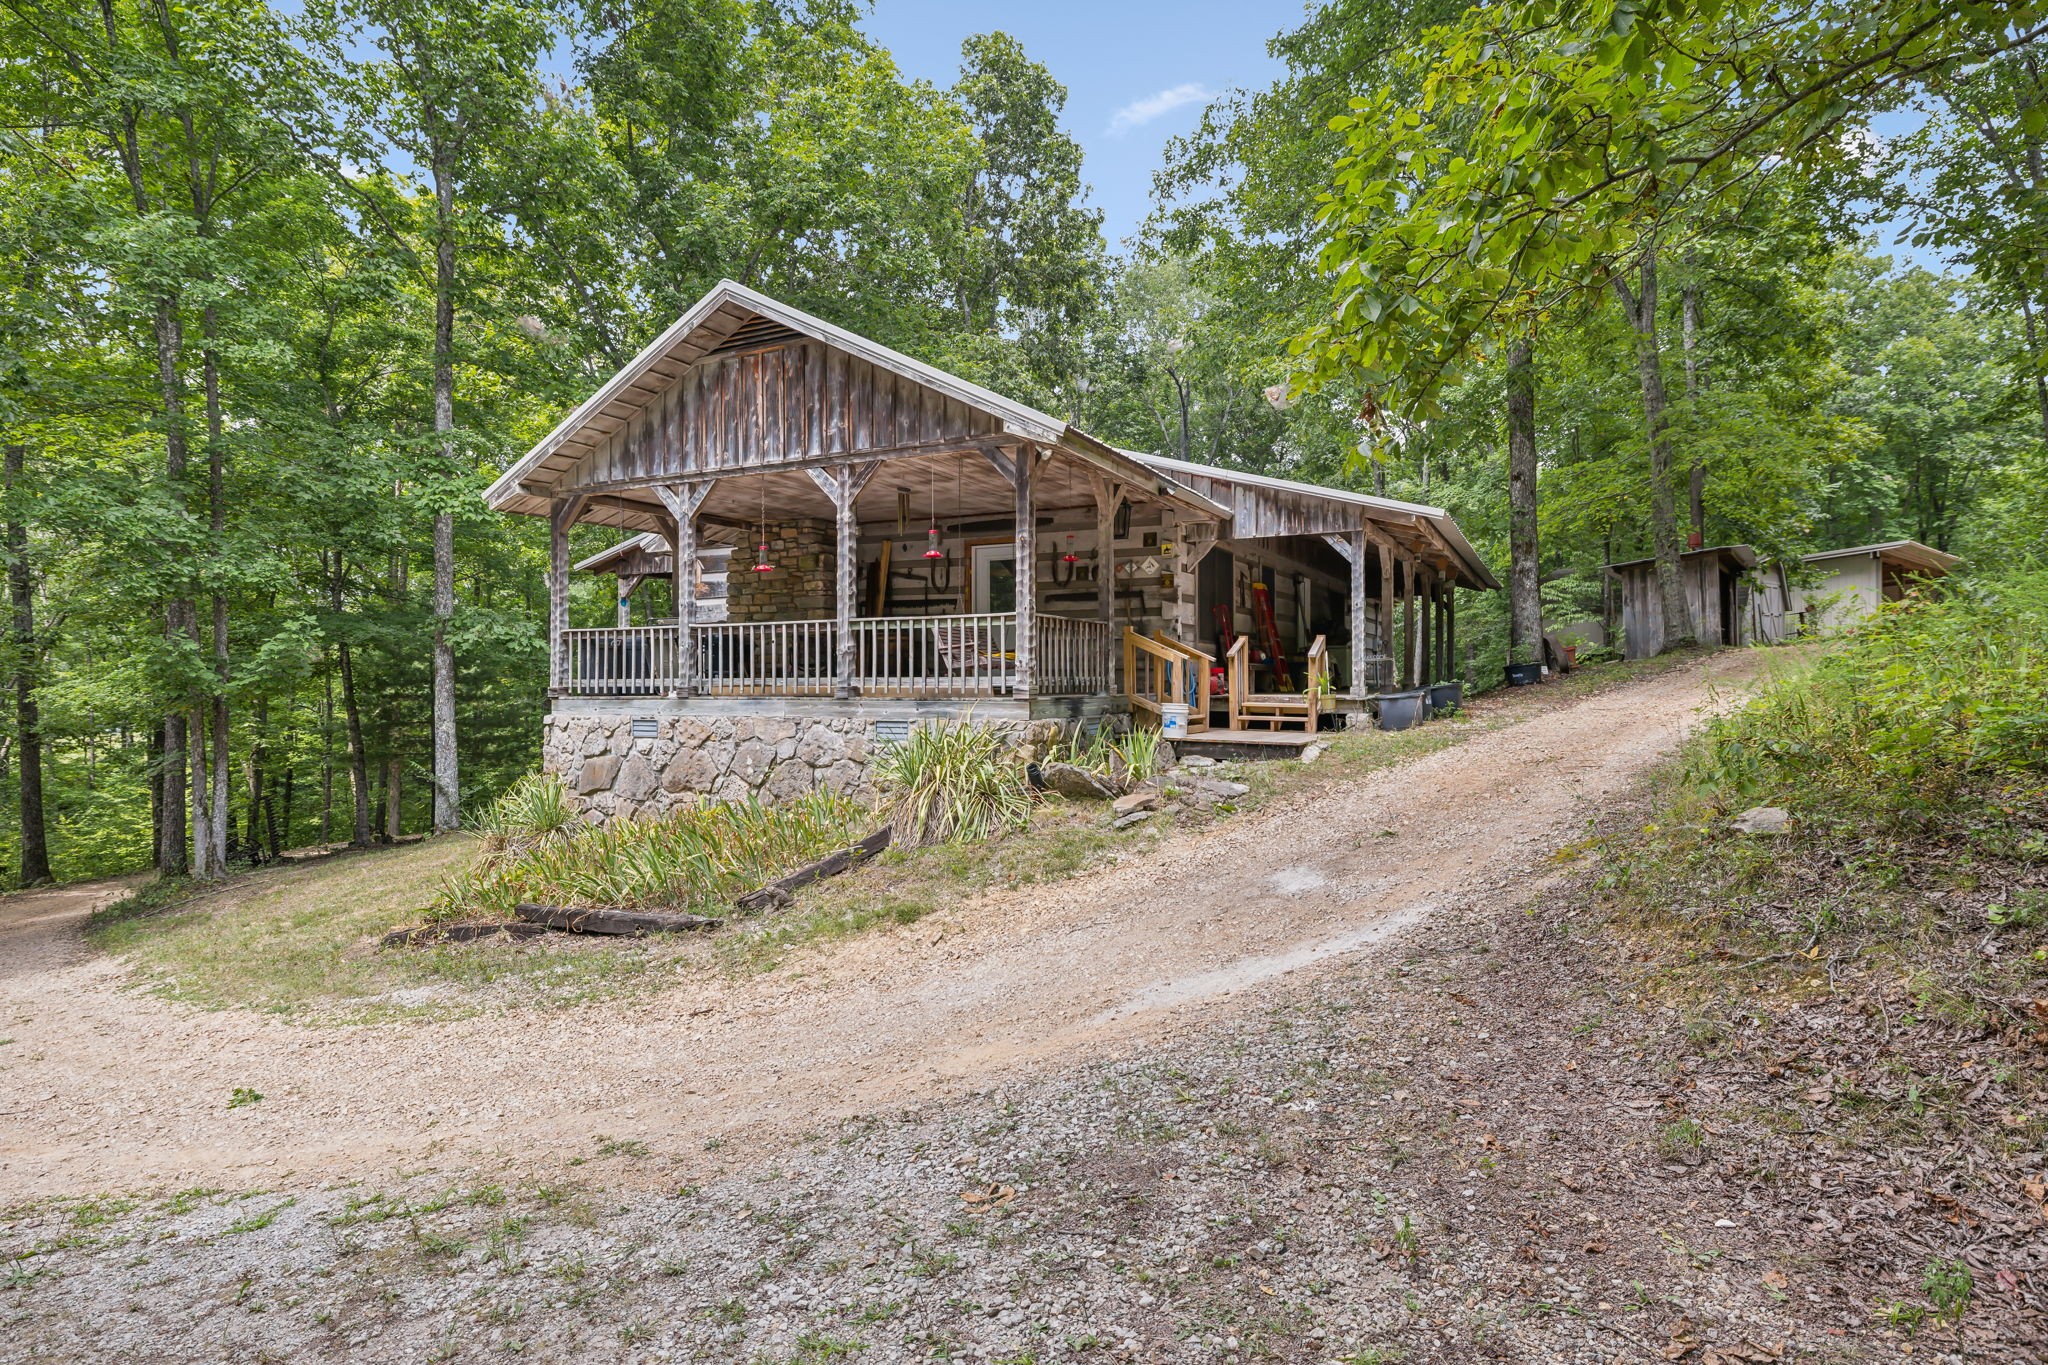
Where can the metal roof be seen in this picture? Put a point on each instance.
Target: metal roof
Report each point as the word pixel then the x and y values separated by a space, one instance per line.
pixel 1900 551
pixel 1745 555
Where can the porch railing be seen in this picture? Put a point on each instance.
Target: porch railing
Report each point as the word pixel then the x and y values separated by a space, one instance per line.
pixel 627 661
pixel 767 658
pixel 1072 657
pixel 937 656
pixel 914 656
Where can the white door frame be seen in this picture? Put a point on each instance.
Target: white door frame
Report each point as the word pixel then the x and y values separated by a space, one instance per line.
pixel 983 556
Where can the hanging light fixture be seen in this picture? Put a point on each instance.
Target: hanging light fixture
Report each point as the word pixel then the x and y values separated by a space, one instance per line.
pixel 761 564
pixel 1069 559
pixel 931 536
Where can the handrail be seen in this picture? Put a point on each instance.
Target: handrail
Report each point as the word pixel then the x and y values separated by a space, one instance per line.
pixel 1161 670
pixel 1318 669
pixel 1237 678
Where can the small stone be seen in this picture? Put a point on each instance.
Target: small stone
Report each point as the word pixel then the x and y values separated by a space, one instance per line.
pixel 597 775
pixel 1078 783
pixel 1198 761
pixel 1763 820
pixel 1312 753
pixel 1126 821
pixel 1145 798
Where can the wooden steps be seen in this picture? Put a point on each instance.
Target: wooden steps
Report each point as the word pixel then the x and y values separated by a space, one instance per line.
pixel 1274 709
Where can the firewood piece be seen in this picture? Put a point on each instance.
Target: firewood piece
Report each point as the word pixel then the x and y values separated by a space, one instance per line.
pixel 599 921
pixel 778 893
pixel 426 934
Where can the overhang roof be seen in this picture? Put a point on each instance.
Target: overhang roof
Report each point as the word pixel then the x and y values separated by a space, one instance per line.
pixel 733 320
pixel 648 543
pixel 1374 508
pixel 732 315
pixel 1744 555
pixel 1910 553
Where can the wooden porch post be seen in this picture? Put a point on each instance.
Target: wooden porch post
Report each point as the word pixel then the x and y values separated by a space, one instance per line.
pixel 1409 664
pixel 561 516
pixel 1387 614
pixel 1107 494
pixel 843 484
pixel 1451 626
pixel 682 502
pixel 1425 668
pixel 629 583
pixel 1443 629
pixel 1027 572
pixel 1359 686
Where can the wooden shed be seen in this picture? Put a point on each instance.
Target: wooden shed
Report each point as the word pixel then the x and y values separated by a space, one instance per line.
pixel 1718 591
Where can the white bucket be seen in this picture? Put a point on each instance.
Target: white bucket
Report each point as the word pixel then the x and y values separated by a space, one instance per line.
pixel 1173 720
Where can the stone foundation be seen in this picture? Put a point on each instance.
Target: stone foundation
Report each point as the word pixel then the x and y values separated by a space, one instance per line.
pixel 612 772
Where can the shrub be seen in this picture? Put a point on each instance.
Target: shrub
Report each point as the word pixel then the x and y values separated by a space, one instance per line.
pixel 696 858
pixel 1936 697
pixel 952 783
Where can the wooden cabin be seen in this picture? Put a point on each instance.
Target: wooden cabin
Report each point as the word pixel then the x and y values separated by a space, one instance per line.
pixel 1718 591
pixel 1841 587
pixel 903 545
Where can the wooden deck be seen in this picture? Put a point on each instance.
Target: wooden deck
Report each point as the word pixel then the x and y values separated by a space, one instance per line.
pixel 1224 744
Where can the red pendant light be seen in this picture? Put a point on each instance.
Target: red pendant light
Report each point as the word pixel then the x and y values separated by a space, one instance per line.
pixel 761 564
pixel 931 536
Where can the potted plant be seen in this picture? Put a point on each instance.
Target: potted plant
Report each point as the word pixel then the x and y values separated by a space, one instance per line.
pixel 1444 697
pixel 1399 710
pixel 1523 669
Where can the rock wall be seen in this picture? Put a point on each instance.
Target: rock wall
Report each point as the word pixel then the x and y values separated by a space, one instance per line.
pixel 612 773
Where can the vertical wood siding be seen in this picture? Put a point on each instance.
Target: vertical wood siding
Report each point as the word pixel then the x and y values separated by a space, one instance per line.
pixel 791 402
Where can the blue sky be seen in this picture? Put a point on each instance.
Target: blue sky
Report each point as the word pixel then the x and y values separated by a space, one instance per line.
pixel 1136 71
pixel 1139 71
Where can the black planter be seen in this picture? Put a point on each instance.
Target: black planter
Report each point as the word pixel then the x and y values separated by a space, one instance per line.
pixel 1444 697
pixel 1399 710
pixel 1524 675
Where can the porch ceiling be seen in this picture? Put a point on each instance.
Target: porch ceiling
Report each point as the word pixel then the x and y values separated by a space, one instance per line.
pixel 952 486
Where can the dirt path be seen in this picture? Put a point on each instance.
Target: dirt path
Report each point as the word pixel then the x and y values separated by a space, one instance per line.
pixel 104 1088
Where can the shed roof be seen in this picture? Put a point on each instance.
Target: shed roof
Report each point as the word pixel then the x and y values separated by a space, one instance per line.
pixel 648 544
pixel 1475 572
pixel 1910 554
pixel 1745 556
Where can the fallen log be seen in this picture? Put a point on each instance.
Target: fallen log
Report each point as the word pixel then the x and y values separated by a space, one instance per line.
pixel 634 922
pixel 427 934
pixel 780 892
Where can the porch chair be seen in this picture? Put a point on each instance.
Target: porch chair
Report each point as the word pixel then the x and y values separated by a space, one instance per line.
pixel 964 650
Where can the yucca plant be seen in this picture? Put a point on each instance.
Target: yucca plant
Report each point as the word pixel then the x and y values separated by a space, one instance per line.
pixel 950 783
pixel 698 857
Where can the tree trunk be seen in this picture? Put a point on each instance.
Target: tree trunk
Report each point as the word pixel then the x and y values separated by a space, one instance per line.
pixel 326 758
pixel 1525 585
pixel 35 848
pixel 1642 319
pixel 447 786
pixel 394 770
pixel 259 755
pixel 173 858
pixel 358 758
pixel 1689 331
pixel 212 860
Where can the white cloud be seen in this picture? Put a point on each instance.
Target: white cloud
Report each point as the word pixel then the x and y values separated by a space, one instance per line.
pixel 1138 113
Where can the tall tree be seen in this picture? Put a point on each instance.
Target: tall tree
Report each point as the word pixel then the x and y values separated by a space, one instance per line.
pixel 456 80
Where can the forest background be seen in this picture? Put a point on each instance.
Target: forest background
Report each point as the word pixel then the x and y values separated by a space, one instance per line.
pixel 281 289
